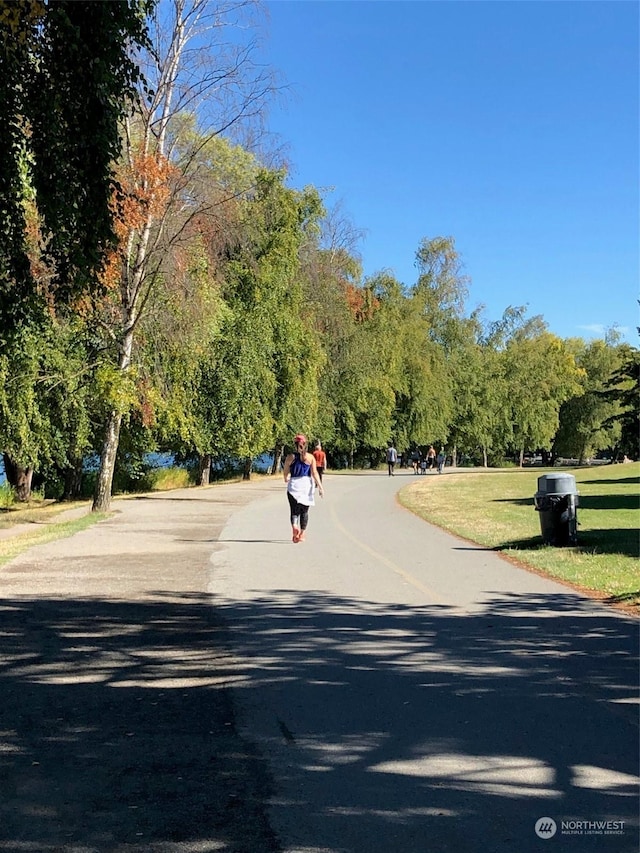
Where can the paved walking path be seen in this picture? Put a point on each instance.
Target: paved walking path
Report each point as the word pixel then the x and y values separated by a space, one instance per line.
pixel 183 678
pixel 413 692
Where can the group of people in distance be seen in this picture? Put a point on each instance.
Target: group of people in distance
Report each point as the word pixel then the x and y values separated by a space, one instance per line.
pixel 420 464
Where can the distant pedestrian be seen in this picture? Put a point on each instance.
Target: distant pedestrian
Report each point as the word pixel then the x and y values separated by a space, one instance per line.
pixel 431 457
pixel 441 459
pixel 321 459
pixel 301 476
pixel 415 460
pixel 423 465
pixel 392 458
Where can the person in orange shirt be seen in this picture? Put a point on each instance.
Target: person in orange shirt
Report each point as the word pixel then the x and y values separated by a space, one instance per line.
pixel 321 459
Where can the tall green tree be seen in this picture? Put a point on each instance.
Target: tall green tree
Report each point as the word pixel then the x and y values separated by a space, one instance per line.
pixel 441 288
pixel 540 373
pixel 66 80
pixel 263 375
pixel 423 381
pixel 433 333
pixel 45 393
pixel 585 421
pixel 330 271
pixel 623 388
pixel 179 330
pixel 479 422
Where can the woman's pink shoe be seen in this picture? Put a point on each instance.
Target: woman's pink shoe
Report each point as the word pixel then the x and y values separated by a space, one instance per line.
pixel 296 534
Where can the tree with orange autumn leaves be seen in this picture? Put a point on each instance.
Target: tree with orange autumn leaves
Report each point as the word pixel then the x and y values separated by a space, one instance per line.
pixel 144 192
pixel 162 198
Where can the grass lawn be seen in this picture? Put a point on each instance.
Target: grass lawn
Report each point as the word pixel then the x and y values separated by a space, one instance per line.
pixel 495 509
pixel 35 512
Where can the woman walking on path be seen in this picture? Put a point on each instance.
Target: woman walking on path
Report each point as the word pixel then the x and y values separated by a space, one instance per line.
pixel 301 476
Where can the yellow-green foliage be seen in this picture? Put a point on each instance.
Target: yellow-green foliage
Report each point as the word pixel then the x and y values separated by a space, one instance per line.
pixel 164 479
pixel 116 388
pixel 7 496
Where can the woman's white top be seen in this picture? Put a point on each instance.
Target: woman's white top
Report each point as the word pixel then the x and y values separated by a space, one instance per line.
pixel 301 488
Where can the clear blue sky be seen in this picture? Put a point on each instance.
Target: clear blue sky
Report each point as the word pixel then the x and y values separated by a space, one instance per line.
pixel 511 126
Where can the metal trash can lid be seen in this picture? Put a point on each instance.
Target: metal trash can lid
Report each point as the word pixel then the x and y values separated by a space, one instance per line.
pixel 557 484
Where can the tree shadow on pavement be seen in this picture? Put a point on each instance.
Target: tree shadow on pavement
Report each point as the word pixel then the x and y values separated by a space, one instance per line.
pixel 416 723
pixel 117 731
pixel 444 731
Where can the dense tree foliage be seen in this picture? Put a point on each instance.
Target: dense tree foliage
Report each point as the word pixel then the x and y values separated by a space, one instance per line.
pixel 623 389
pixel 262 381
pixel 162 289
pixel 67 75
pixel 588 418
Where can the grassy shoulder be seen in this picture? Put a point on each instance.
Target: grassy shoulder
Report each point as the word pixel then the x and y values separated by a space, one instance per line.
pixel 495 509
pixel 39 526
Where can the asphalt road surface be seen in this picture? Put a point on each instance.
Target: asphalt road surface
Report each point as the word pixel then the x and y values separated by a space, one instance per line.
pixel 414 693
pixel 184 679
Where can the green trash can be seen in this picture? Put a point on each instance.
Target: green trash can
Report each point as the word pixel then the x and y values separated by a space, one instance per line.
pixel 557 502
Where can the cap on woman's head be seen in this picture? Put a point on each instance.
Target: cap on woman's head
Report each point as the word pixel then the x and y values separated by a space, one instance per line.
pixel 300 438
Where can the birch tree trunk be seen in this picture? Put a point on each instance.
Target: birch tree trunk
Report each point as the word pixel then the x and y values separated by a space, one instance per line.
pixel 104 483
